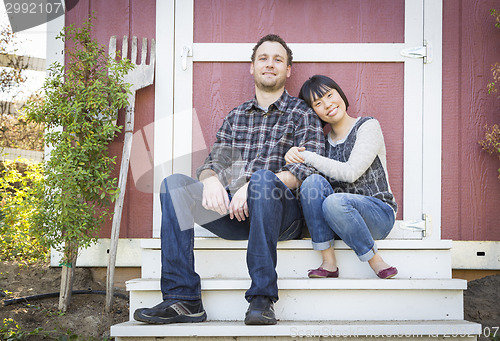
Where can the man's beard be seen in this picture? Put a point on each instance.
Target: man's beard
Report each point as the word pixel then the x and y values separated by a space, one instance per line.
pixel 279 83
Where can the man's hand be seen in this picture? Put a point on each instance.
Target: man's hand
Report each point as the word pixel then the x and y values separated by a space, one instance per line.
pixel 215 197
pixel 238 207
pixel 293 155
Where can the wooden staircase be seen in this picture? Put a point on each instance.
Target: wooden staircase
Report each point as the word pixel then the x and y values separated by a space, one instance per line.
pixel 422 302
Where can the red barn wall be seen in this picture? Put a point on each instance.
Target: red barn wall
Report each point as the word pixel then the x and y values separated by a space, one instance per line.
pixel 470 187
pixel 471 43
pixel 131 18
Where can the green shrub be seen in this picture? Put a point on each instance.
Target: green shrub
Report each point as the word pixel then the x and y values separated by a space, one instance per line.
pixel 82 97
pixel 17 234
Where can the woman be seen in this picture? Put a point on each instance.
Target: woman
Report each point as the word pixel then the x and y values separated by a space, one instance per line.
pixel 354 201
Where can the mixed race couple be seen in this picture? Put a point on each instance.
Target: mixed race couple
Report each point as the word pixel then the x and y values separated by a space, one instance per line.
pixel 270 169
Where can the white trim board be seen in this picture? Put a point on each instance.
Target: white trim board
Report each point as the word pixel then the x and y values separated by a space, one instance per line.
pixel 164 103
pixel 432 116
pixel 413 106
pixel 97 256
pixel 472 255
pixel 466 255
pixel 303 52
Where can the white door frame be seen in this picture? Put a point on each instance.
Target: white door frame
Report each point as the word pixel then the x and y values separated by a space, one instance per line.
pixel 422 96
pixel 432 116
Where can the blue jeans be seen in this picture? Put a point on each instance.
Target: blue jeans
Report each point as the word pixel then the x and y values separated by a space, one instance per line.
pixel 274 215
pixel 356 219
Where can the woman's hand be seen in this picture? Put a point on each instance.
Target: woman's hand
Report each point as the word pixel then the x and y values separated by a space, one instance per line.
pixel 293 155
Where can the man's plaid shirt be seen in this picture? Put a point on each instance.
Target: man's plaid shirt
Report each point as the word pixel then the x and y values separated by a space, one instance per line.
pixel 251 139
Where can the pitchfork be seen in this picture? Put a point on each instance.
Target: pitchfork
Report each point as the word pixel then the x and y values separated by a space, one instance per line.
pixel 140 77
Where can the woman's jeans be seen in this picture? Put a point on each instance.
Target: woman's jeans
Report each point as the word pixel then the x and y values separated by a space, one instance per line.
pixel 356 219
pixel 274 214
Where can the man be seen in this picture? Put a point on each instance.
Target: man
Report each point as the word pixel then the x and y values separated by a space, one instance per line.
pixel 244 192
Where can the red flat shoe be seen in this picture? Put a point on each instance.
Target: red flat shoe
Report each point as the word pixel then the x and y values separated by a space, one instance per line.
pixel 322 273
pixel 387 273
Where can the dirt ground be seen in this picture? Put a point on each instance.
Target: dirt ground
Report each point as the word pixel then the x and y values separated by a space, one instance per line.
pixel 87 319
pixel 482 305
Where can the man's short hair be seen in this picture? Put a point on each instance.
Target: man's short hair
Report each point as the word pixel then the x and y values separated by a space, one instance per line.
pixel 274 38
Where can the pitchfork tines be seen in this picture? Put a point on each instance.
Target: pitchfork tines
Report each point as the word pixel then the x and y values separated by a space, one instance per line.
pixel 140 77
pixel 143 74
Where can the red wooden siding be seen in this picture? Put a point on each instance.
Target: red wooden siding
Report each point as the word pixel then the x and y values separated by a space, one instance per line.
pixel 298 21
pixel 132 18
pixel 470 187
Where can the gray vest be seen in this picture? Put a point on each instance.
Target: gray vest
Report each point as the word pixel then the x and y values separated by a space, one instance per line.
pixel 372 183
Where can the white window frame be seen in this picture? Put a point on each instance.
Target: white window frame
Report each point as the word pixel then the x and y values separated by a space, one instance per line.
pixel 422 97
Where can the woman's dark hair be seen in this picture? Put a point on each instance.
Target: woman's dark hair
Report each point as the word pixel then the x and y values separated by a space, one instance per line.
pixel 317 86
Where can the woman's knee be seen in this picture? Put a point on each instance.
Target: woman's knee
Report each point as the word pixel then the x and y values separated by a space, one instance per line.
pixel 312 181
pixel 336 204
pixel 312 187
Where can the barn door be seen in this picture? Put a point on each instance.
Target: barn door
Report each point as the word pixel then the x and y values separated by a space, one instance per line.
pixel 387 62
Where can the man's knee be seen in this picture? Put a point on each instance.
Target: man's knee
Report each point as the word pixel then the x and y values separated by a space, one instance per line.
pixel 262 176
pixel 265 185
pixel 262 182
pixel 174 181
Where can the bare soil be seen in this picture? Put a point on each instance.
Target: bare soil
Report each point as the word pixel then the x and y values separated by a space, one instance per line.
pixel 87 319
pixel 482 305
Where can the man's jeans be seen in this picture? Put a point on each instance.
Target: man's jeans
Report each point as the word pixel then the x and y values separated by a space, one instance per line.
pixel 356 219
pixel 274 214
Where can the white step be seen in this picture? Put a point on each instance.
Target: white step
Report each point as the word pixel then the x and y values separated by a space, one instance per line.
pixel 325 299
pixel 218 258
pixel 293 330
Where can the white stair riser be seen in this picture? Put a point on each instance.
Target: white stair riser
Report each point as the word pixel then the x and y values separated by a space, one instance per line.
pixel 294 338
pixel 342 305
pixel 298 330
pixel 295 263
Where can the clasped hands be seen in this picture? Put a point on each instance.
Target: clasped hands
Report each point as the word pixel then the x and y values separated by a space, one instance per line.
pixel 215 197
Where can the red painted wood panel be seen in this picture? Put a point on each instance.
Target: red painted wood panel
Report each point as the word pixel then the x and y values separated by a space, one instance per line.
pixel 139 206
pixel 298 21
pixel 126 17
pixel 470 187
pixel 373 89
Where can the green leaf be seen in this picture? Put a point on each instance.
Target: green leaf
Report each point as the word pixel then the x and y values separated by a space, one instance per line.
pixel 82 97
